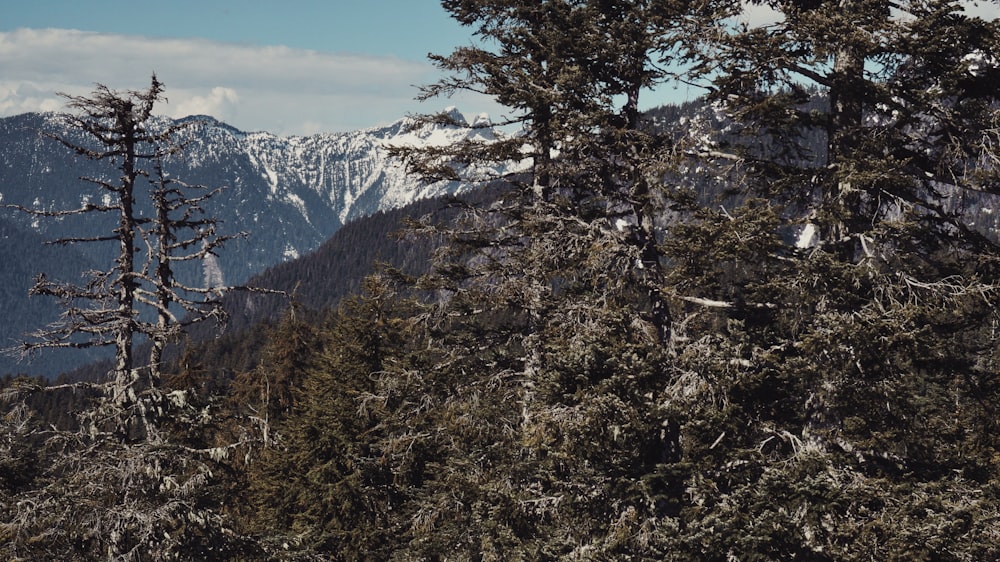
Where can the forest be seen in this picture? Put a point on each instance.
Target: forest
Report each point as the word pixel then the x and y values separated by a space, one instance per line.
pixel 759 327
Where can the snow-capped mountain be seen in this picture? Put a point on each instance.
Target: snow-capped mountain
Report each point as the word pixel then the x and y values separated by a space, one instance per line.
pixel 288 194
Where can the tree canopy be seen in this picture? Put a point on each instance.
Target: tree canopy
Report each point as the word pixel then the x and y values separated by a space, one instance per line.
pixel 762 330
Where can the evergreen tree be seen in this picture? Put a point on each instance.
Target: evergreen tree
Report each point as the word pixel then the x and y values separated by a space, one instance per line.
pixel 799 378
pixel 269 392
pixel 532 427
pixel 319 487
pixel 837 362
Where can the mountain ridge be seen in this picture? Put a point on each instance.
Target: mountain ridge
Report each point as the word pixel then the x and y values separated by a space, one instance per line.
pixel 289 194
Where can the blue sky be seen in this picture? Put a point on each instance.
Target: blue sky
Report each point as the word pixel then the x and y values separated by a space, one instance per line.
pixel 403 28
pixel 287 67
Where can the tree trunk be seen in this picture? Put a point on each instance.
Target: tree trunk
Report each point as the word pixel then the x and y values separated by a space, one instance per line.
pixel 846 108
pixel 543 152
pixel 164 276
pixel 125 376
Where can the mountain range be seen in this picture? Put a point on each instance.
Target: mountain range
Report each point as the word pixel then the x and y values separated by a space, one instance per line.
pixel 290 195
pixel 287 194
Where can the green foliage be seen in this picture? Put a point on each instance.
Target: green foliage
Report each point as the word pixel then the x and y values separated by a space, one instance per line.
pixel 318 486
pixel 529 419
pixel 840 388
pixel 270 390
pixel 829 399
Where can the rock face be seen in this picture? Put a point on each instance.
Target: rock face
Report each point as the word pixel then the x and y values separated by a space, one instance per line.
pixel 288 194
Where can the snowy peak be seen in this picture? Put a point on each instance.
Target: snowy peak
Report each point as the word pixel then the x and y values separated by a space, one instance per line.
pixel 450 127
pixel 289 193
pixel 455 115
pixel 482 120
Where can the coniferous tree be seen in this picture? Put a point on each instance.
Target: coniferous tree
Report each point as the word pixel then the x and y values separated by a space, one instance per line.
pixel 268 393
pixel 808 375
pixel 319 485
pixel 536 426
pixel 837 354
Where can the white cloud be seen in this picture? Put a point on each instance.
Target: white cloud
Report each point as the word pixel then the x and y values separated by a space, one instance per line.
pixel 220 103
pixel 756 15
pixel 23 97
pixel 278 89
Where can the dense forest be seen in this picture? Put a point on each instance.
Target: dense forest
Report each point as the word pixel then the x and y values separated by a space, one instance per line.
pixel 759 327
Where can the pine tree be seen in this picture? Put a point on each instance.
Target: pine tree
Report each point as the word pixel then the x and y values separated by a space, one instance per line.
pixel 319 488
pixel 269 392
pixel 797 378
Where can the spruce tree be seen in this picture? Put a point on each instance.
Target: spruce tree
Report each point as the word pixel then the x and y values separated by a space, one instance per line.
pixel 532 427
pixel 838 358
pixel 830 338
pixel 319 486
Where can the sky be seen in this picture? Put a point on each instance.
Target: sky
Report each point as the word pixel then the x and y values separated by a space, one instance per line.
pixel 289 67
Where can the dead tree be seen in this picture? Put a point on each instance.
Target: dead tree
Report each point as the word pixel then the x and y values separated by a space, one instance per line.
pixel 158 216
pixel 182 231
pixel 102 311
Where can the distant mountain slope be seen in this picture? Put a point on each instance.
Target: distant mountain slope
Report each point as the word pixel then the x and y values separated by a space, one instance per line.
pixel 320 279
pixel 289 194
pixel 318 282
pixel 22 254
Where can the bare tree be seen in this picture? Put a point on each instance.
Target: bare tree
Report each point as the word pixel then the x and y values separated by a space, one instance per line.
pixel 113 307
pixel 182 231
pixel 126 485
pixel 102 311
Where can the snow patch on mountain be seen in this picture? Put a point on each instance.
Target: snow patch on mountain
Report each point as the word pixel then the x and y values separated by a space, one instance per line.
pixel 289 194
pixel 212 272
pixel 353 173
pixel 272 179
pixel 808 236
pixel 299 204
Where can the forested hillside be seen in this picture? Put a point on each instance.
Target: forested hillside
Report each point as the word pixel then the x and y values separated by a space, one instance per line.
pixel 321 279
pixel 763 328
